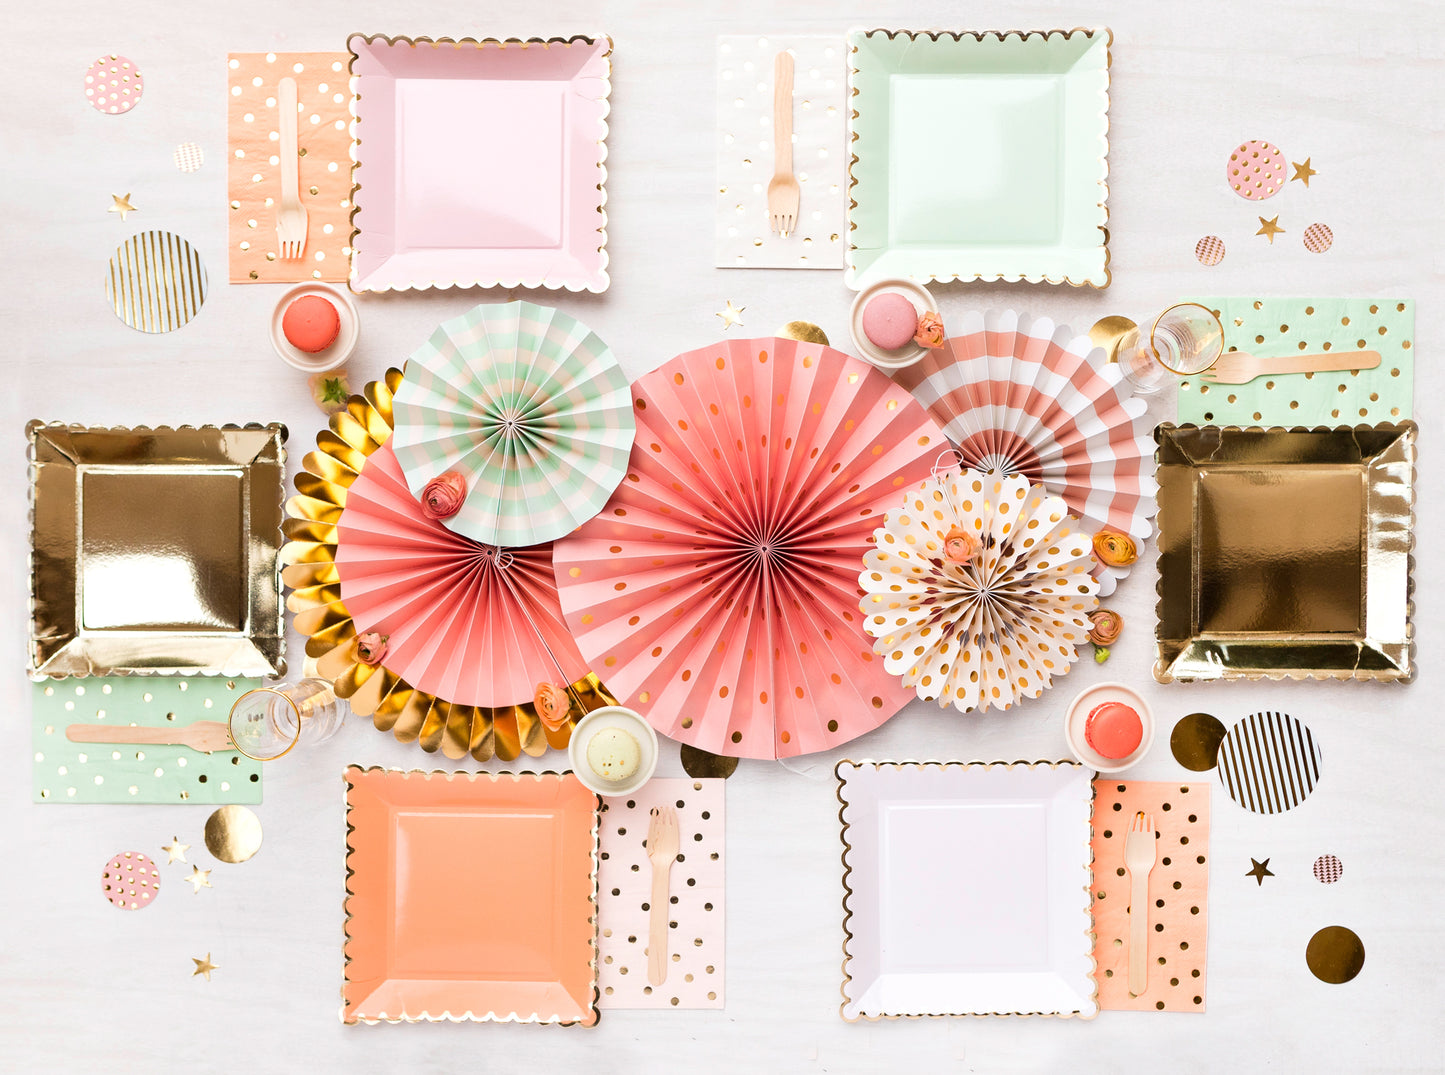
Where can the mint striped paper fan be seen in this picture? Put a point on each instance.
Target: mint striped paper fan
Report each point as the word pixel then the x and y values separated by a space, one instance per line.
pixel 530 407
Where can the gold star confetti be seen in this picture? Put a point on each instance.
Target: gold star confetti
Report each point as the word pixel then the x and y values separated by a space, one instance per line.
pixel 1270 227
pixel 1303 171
pixel 203 966
pixel 176 850
pixel 199 878
pixel 121 204
pixel 731 315
pixel 1260 871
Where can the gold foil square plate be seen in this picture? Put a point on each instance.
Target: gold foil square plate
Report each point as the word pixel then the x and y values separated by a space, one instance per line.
pixel 1285 553
pixel 154 550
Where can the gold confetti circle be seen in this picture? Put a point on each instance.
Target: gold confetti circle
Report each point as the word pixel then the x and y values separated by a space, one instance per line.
pixel 233 834
pixel 805 331
pixel 1209 250
pixel 1335 954
pixel 700 764
pixel 1195 741
pixel 155 281
pixel 1318 238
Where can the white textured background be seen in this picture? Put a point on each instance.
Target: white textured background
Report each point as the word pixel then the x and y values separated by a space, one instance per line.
pixel 1357 87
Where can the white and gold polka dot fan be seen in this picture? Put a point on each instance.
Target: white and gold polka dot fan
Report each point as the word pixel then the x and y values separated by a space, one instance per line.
pixel 717 592
pixel 978 589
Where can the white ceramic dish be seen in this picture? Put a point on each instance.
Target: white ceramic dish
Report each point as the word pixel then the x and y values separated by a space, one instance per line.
pixel 900 357
pixel 968 889
pixel 1078 714
pixel 335 356
pixel 624 719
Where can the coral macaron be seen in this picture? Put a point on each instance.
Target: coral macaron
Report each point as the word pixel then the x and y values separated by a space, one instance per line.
pixel 1114 730
pixel 311 324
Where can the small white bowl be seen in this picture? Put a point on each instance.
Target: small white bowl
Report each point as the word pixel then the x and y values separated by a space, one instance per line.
pixel 624 719
pixel 1078 714
pixel 341 348
pixel 900 357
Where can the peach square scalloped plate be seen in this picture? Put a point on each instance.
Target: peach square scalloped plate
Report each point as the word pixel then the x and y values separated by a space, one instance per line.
pixel 470 897
pixel 479 163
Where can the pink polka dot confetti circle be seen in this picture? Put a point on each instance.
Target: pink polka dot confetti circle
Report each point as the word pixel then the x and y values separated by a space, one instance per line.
pixel 188 157
pixel 1318 238
pixel 1256 170
pixel 131 880
pixel 1328 869
pixel 113 85
pixel 1209 250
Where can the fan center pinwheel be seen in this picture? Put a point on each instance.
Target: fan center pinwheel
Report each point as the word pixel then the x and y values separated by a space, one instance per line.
pixel 717 592
pixel 530 407
pixel 978 589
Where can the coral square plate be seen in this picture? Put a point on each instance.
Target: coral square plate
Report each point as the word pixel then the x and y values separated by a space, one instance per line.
pixel 967 889
pixel 470 897
pixel 479 163
pixel 979 156
pixel 1285 552
pixel 153 551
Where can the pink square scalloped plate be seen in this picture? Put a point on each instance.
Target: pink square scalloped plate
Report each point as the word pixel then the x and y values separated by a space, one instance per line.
pixel 479 163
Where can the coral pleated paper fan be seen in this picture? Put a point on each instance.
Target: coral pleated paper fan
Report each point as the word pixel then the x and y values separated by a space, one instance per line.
pixel 471 623
pixel 530 407
pixel 717 592
pixel 978 589
pixel 1023 395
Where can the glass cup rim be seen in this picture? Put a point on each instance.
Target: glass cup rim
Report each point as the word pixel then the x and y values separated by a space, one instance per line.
pixel 295 709
pixel 1155 328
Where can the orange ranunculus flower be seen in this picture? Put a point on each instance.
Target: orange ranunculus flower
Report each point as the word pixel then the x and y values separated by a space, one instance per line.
pixel 554 705
pixel 1113 549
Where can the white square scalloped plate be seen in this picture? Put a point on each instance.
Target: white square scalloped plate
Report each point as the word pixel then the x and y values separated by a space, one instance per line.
pixel 979 156
pixel 968 889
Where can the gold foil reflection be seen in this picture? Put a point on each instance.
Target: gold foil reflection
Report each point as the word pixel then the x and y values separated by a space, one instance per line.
pixel 1285 552
pixel 233 834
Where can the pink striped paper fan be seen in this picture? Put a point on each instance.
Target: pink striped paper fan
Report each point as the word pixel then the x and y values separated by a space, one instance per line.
pixel 466 621
pixel 1022 395
pixel 718 592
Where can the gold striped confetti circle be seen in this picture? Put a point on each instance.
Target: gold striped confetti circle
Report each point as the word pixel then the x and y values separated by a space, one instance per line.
pixel 1269 762
pixel 155 281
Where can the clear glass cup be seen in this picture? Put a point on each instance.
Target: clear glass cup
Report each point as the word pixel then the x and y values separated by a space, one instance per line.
pixel 1185 340
pixel 268 722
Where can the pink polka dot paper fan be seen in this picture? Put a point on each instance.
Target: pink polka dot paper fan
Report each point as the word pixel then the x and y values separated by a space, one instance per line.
pixel 717 592
pixel 113 85
pixel 131 880
pixel 1256 170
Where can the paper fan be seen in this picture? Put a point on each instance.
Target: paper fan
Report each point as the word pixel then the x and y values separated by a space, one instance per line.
pixel 1023 395
pixel 468 622
pixel 992 618
pixel 530 407
pixel 718 590
pixel 342 464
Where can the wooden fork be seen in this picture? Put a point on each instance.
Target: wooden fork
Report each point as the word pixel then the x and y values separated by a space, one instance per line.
pixel 783 190
pixel 1237 367
pixel 1139 855
pixel 291 218
pixel 662 847
pixel 203 735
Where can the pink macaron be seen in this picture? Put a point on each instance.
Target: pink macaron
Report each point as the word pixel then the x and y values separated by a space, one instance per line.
pixel 889 321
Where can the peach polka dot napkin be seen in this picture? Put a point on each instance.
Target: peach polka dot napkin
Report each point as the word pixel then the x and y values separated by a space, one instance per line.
pixel 253 175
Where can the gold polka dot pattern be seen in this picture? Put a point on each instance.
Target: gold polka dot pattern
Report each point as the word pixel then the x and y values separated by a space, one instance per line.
pixel 740 547
pixel 978 590
pixel 1280 327
pixel 253 175
pixel 1178 895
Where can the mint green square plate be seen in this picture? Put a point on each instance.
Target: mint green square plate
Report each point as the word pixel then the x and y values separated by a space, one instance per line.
pixel 979 156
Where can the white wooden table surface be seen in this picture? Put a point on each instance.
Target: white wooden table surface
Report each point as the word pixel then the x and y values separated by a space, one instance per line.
pixel 1357 87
